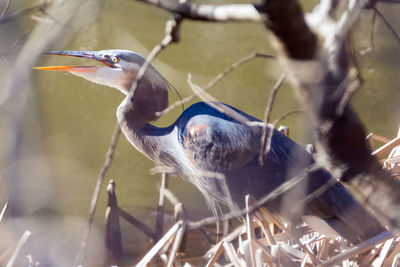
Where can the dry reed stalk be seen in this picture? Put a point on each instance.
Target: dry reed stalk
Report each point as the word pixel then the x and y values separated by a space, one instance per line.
pixel 175 246
pixel 395 252
pixel 250 232
pixel 387 147
pixel 372 136
pixel 160 207
pixel 230 252
pixel 259 258
pixel 272 218
pixel 233 235
pixel 288 252
pixel 3 211
pixel 219 250
pixel 384 251
pixel 6 253
pixel 160 244
pixel 264 225
pixel 360 248
pixel 21 242
pixel 266 254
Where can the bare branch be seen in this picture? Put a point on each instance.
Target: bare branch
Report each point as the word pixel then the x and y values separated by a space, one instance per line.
pixel 321 80
pixel 160 244
pixel 171 35
pixel 350 90
pixel 258 203
pixel 213 102
pixel 285 19
pixel 14 46
pixel 143 227
pixel 215 13
pixel 360 248
pixel 21 242
pixel 397 37
pixel 389 1
pixel 268 108
pixel 5 9
pixel 264 149
pixel 217 79
pixel 372 36
pixel 285 115
pixel 349 17
pixel 271 98
pixel 20 13
pixel 97 190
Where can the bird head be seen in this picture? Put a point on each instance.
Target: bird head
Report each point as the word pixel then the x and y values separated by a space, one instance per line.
pixel 117 68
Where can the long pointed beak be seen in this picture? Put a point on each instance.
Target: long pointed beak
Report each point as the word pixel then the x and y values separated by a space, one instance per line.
pixel 83 54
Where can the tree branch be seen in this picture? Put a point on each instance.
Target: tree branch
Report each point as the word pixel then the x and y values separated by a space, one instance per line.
pixel 264 147
pixel 397 37
pixel 215 13
pixel 20 13
pixel 321 81
pixel 215 80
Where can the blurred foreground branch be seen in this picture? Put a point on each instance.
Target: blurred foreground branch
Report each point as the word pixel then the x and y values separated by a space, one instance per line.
pixel 216 13
pixel 320 75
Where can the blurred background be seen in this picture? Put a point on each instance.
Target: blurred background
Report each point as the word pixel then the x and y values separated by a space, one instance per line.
pixel 55 128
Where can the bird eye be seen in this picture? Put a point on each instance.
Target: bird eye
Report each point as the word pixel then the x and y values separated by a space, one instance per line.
pixel 115 59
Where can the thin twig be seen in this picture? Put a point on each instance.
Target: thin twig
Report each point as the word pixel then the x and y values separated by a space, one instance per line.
pixel 204 12
pixel 372 36
pixel 360 248
pixel 15 45
pixel 3 211
pixel 250 230
pixel 350 90
pixel 386 147
pixel 388 25
pixel 160 207
pixel 160 244
pixel 5 9
pixel 21 242
pixel 215 80
pixel 40 7
pixel 174 201
pixel 213 102
pixel 218 252
pixel 264 148
pixel 93 204
pixel 143 227
pixel 271 98
pixel 262 201
pixel 269 135
pixel 272 218
pixel 170 36
pixel 285 115
pixel 175 246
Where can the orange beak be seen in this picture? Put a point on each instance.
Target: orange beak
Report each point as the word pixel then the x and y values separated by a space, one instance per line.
pixel 70 68
pixel 84 54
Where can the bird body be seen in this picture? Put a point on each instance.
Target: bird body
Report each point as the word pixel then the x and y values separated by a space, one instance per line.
pixel 219 154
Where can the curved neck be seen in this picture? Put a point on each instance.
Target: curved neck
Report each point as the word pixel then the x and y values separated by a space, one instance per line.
pixel 136 112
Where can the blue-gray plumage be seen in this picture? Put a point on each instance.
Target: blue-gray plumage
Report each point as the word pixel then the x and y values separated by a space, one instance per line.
pixel 203 145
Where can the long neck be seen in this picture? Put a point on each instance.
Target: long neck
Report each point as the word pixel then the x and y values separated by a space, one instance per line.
pixel 136 112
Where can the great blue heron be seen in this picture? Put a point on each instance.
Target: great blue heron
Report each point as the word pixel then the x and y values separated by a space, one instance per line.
pixel 203 142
